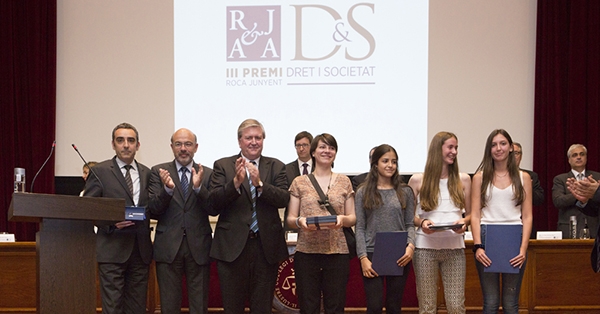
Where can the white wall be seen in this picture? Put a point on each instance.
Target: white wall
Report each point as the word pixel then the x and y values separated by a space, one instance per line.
pixel 115 64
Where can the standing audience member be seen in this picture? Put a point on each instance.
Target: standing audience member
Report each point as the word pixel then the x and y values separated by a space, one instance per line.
pixel 358 179
pixel 566 203
pixel 123 249
pixel 322 260
pixel 179 197
pixel 247 191
pixel 383 204
pixel 301 166
pixel 500 194
pixel 442 194
pixel 537 190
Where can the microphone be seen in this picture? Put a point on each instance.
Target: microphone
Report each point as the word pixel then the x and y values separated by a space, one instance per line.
pixel 42 167
pixel 86 163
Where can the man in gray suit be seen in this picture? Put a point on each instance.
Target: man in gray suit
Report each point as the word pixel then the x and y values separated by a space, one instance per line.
pixel 247 191
pixel 565 202
pixel 123 249
pixel 179 200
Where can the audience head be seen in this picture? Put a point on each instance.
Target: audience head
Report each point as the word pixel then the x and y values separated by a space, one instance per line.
pixel 371 154
pixel 86 169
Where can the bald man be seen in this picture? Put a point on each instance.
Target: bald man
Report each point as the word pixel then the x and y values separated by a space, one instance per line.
pixel 179 200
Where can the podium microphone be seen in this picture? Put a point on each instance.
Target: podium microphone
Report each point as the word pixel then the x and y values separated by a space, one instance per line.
pixel 42 167
pixel 86 163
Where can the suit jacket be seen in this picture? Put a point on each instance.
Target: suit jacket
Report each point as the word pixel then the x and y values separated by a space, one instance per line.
pixel 594 212
pixel 177 215
pixel 235 209
pixel 565 202
pixel 538 191
pixel 357 180
pixel 114 245
pixel 292 170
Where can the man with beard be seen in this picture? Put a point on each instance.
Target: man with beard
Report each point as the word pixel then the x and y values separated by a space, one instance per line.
pixel 179 200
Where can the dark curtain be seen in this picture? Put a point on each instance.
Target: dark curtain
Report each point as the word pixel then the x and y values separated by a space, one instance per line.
pixel 27 100
pixel 566 92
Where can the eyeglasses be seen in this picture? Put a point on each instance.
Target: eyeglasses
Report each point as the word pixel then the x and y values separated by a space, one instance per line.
pixel 186 144
pixel 517 153
pixel 298 146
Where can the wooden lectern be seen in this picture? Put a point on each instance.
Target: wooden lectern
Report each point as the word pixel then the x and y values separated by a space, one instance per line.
pixel 66 246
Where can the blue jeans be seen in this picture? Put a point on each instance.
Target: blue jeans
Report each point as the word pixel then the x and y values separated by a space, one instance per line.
pixel 490 287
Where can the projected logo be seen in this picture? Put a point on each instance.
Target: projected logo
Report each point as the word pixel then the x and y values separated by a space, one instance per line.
pixel 254 33
pixel 325 44
pixel 337 32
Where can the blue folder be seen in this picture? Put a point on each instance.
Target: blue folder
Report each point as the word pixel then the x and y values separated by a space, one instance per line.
pixel 389 247
pixel 502 243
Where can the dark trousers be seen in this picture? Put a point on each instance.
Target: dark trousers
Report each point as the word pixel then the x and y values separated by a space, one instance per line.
pixel 249 276
pixel 321 273
pixel 124 286
pixel 394 291
pixel 170 279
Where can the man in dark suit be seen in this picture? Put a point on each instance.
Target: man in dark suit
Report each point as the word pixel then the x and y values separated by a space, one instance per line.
pixel 586 191
pixel 565 202
pixel 247 191
pixel 178 199
pixel 358 179
pixel 300 166
pixel 123 249
pixel 538 191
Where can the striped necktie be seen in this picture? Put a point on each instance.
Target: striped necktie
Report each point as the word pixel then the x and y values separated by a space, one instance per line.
pixel 184 181
pixel 254 221
pixel 128 178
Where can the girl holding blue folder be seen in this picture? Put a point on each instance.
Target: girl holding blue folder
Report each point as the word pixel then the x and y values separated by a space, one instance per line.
pixel 500 194
pixel 443 196
pixel 383 204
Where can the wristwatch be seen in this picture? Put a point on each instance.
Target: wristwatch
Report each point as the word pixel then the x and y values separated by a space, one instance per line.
pixel 477 247
pixel 260 184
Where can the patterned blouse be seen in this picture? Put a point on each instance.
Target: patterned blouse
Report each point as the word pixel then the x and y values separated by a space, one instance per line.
pixel 328 241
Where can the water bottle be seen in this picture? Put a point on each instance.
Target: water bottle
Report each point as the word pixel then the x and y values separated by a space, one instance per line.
pixel 19 180
pixel 573 227
pixel 585 232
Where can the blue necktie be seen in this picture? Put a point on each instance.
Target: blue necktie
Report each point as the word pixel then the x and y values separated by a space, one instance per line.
pixel 254 223
pixel 184 181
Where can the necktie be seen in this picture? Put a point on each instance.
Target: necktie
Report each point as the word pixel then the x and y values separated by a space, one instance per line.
pixel 254 221
pixel 579 176
pixel 128 178
pixel 184 181
pixel 305 168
